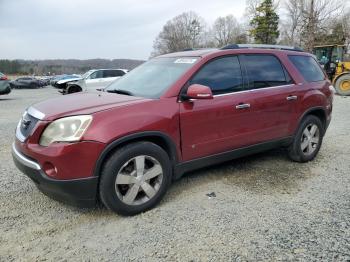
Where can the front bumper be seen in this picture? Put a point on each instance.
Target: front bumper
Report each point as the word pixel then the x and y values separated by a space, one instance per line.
pixel 78 192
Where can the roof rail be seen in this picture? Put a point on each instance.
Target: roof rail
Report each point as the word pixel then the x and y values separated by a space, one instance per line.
pixel 195 49
pixel 280 47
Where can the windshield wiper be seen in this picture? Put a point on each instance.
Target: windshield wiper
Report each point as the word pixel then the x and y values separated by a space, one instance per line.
pixel 120 91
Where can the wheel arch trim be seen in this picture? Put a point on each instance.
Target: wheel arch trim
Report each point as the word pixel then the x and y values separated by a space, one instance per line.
pixel 309 112
pixel 140 136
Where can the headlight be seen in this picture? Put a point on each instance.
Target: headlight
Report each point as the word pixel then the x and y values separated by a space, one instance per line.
pixel 68 129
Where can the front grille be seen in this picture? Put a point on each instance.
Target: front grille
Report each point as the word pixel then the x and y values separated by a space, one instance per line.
pixel 26 126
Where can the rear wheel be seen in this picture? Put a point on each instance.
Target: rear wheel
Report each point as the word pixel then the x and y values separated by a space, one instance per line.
pixel 342 85
pixel 308 140
pixel 135 178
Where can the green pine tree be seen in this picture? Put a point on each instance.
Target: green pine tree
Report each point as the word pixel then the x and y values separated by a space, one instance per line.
pixel 265 24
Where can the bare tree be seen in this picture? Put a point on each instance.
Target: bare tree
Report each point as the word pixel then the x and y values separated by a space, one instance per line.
pixel 251 7
pixel 306 19
pixel 292 24
pixel 226 30
pixel 182 32
pixel 344 19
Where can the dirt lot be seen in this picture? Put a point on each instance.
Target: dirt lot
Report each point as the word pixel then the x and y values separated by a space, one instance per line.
pixel 266 208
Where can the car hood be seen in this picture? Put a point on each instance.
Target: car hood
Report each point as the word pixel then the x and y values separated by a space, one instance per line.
pixel 68 80
pixel 80 104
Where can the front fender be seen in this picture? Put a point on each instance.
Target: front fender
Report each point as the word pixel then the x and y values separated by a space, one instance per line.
pixel 147 135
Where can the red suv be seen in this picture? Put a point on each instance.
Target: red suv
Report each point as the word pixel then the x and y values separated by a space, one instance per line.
pixel 172 114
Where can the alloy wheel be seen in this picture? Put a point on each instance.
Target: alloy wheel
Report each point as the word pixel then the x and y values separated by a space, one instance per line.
pixel 138 180
pixel 310 139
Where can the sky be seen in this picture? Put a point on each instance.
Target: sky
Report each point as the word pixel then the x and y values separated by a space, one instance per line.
pixel 84 29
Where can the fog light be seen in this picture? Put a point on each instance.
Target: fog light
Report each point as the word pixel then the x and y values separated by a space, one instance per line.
pixel 50 169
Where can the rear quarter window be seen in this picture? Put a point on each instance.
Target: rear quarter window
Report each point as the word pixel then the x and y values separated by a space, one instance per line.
pixel 307 67
pixel 113 73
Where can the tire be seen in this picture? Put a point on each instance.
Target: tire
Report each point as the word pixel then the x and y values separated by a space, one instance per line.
pixel 73 89
pixel 123 187
pixel 307 136
pixel 342 85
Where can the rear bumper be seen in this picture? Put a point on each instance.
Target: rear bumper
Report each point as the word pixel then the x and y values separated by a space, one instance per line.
pixel 78 192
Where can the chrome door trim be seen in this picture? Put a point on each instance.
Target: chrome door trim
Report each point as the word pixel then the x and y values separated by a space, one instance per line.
pixel 244 91
pixel 254 90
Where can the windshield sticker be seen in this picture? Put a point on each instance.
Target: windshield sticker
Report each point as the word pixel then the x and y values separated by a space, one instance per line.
pixel 185 60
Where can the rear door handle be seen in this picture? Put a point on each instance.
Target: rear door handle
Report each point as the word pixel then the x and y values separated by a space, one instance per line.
pixel 242 106
pixel 289 98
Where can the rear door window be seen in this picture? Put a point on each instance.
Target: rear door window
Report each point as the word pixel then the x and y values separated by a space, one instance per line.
pixel 265 71
pixel 307 67
pixel 113 73
pixel 222 75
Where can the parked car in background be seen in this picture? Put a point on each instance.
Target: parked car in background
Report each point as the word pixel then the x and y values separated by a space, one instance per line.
pixel 61 83
pixel 5 87
pixel 26 82
pixel 45 80
pixel 54 81
pixel 94 80
pixel 172 114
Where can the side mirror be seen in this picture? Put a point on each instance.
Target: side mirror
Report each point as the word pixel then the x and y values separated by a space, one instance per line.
pixel 197 91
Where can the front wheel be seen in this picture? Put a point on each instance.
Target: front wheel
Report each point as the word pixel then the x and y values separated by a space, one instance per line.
pixel 73 89
pixel 135 178
pixel 307 141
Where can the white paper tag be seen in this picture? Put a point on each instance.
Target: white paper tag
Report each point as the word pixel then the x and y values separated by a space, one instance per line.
pixel 185 60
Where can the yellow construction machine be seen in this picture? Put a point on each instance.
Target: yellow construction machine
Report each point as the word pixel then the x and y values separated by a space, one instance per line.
pixel 336 62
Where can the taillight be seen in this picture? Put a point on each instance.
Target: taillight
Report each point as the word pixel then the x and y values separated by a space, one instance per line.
pixel 3 78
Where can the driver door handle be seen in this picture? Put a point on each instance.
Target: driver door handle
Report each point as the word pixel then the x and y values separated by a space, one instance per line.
pixel 289 98
pixel 242 106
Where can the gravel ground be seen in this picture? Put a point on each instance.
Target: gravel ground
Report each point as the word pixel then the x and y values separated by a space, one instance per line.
pixel 266 208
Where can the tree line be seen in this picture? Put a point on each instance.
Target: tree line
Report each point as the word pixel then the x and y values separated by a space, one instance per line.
pixel 63 66
pixel 303 23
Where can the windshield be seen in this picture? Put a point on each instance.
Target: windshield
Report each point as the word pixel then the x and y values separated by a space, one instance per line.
pixel 154 77
pixel 87 74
